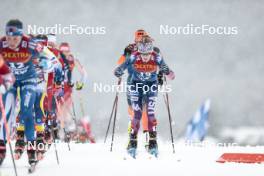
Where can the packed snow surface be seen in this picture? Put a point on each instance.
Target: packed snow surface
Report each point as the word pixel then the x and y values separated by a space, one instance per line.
pixel 96 159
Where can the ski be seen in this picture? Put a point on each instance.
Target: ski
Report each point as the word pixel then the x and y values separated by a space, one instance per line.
pixel 153 154
pixel 130 154
pixel 32 167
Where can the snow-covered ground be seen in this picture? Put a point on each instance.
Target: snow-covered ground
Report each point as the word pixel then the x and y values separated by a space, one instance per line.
pixel 245 135
pixel 96 160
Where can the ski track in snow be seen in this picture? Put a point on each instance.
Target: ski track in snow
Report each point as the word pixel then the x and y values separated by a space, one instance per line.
pixel 97 160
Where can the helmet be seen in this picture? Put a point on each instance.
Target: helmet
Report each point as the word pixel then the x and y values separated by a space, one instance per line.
pixel 52 38
pixel 145 46
pixel 64 46
pixel 43 39
pixel 139 33
pixel 14 27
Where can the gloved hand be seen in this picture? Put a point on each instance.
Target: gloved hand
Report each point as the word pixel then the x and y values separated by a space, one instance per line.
pixel 46 65
pixel 6 82
pixel 171 75
pixel 128 50
pixel 160 78
pixel 2 89
pixel 79 85
pixel 118 72
pixel 165 69
pixel 71 84
pixel 59 92
pixel 58 78
pixel 57 83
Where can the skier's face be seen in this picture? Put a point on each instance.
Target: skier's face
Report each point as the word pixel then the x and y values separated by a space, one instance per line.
pixel 66 53
pixel 13 41
pixel 138 39
pixel 138 35
pixel 145 57
pixel 51 44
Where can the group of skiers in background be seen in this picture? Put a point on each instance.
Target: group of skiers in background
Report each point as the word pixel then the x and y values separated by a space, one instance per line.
pixel 36 86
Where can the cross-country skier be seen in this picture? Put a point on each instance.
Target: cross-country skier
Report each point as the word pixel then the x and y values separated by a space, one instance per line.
pixel 43 67
pixel 69 63
pixel 54 93
pixel 18 50
pixel 131 48
pixel 144 65
pixel 6 81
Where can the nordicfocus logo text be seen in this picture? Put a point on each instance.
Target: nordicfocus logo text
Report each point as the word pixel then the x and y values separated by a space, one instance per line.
pixel 67 30
pixel 37 146
pixel 191 29
pixel 124 87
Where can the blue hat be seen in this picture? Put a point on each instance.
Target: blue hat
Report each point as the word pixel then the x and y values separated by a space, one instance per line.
pixel 14 27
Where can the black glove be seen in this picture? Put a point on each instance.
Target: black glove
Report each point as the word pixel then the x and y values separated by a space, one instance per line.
pixel 118 72
pixel 165 69
pixel 58 83
pixel 71 84
pixel 128 50
pixel 160 78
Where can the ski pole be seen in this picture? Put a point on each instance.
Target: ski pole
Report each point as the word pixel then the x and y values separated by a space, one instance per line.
pixel 111 115
pixel 167 103
pixel 54 143
pixel 74 113
pixel 113 131
pixel 12 156
pixel 110 120
pixel 53 134
pixel 68 140
pixel 62 122
pixel 7 134
pixel 82 108
pixel 74 117
pixel 147 140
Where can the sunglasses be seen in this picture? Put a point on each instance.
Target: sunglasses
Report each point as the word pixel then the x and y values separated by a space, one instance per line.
pixel 13 31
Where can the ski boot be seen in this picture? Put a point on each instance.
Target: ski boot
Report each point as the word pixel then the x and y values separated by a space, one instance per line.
pixel 54 129
pixel 31 152
pixel 40 145
pixel 56 132
pixel 153 145
pixel 2 151
pixel 20 144
pixel 146 133
pixel 67 137
pixel 83 137
pixel 132 145
pixel 48 131
pixel 32 158
pixel 91 139
pixel 47 137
